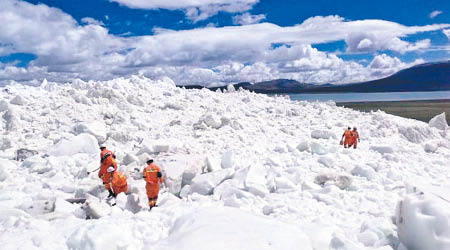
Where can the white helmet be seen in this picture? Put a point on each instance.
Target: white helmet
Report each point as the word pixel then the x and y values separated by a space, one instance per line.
pixel 110 169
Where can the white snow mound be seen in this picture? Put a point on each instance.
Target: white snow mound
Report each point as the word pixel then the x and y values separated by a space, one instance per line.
pixel 230 228
pixel 423 221
pixel 439 122
pixel 82 143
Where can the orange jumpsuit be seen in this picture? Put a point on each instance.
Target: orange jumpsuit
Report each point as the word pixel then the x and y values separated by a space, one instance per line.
pixel 153 177
pixel 106 160
pixel 118 183
pixel 354 139
pixel 347 138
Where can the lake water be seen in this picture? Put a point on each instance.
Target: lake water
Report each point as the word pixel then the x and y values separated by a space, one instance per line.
pixel 373 97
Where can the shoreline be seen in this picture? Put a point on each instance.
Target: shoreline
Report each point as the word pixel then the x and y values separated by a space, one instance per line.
pixel 398 101
pixel 422 110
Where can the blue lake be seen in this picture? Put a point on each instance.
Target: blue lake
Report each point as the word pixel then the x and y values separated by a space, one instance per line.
pixel 373 97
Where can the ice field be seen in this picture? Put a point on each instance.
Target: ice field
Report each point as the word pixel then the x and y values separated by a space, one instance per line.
pixel 243 171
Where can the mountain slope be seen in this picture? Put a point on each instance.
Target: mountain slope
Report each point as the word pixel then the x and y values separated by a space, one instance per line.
pixel 424 77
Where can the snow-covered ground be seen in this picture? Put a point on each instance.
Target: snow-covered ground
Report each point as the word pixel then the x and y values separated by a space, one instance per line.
pixel 243 171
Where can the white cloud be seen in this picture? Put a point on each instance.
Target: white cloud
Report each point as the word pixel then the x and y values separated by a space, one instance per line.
pixel 90 20
pixel 66 50
pixel 435 13
pixel 372 42
pixel 365 44
pixel 447 33
pixel 195 10
pixel 52 35
pixel 208 47
pixel 384 61
pixel 402 46
pixel 384 65
pixel 248 18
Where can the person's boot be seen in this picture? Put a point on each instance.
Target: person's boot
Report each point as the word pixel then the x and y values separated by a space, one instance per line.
pixel 111 193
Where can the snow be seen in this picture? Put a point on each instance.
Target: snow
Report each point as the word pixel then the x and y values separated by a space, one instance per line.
pixel 364 171
pixel 205 183
pixel 383 149
pixel 303 146
pixel 255 181
pixel 82 143
pixel 179 170
pixel 3 105
pixel 17 100
pixel 62 206
pixel 439 122
pixel 423 220
pixel 96 128
pixel 129 158
pixel 227 160
pixel 249 170
pixel 242 230
pixel 5 167
pixel 318 148
pixel 323 134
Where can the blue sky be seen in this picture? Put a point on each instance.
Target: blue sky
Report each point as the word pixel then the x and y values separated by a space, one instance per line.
pixel 210 41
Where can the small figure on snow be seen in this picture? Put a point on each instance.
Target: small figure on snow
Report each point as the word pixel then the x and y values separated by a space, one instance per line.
pixel 153 178
pixel 346 137
pixel 354 138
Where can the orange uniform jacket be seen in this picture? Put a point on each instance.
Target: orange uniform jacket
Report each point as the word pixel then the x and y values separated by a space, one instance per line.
pixel 106 160
pixel 347 137
pixel 119 183
pixel 355 137
pixel 153 177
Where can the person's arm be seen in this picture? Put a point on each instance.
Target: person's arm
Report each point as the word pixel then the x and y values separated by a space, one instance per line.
pixel 160 177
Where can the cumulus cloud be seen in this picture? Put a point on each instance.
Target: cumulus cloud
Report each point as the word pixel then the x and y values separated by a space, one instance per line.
pixel 195 10
pixel 371 42
pixel 66 50
pixel 384 65
pixel 248 18
pixel 435 13
pixel 51 34
pixel 384 61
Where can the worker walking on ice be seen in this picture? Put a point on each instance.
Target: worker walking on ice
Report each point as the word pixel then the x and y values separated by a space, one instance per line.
pixel 107 159
pixel 354 139
pixel 346 137
pixel 153 178
pixel 117 182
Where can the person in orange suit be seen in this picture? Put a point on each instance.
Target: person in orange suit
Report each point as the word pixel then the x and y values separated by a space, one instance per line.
pixel 117 181
pixel 346 137
pixel 153 178
pixel 354 139
pixel 107 159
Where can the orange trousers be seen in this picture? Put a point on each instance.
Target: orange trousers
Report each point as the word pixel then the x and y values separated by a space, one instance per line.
pixel 118 190
pixel 152 193
pixel 347 141
pixel 105 178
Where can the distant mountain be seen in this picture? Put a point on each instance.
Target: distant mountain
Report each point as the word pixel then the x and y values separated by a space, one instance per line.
pixel 424 77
